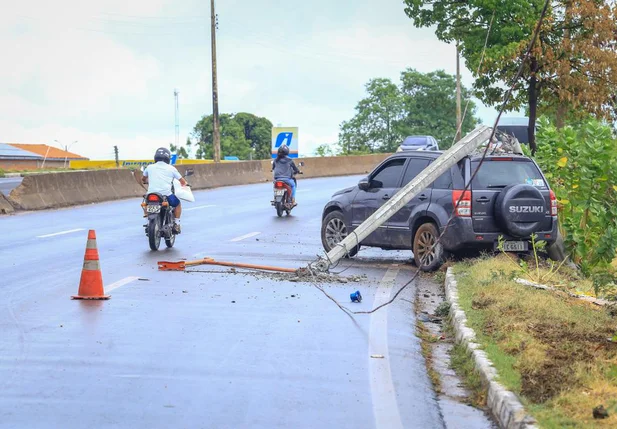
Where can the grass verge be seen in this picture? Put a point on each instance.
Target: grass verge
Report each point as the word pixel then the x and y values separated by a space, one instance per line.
pixel 462 363
pixel 553 351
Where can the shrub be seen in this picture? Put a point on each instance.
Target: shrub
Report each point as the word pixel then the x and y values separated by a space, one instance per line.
pixel 581 165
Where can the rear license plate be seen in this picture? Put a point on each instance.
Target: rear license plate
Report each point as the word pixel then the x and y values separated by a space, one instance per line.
pixel 279 192
pixel 515 246
pixel 153 209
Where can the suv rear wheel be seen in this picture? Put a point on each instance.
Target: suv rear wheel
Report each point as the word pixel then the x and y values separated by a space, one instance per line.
pixel 427 257
pixel 333 231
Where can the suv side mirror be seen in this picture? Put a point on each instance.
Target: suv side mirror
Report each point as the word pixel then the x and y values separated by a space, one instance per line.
pixel 364 184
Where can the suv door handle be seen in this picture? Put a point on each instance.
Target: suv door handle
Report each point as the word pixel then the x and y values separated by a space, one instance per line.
pixel 385 197
pixel 422 197
pixel 483 200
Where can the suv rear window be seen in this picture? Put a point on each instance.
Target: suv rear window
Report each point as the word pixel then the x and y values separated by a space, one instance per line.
pixel 499 174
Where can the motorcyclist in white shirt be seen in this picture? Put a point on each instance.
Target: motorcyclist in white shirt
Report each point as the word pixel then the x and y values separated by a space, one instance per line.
pixel 159 178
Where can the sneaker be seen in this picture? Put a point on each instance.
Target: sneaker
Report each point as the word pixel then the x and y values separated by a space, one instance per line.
pixel 176 228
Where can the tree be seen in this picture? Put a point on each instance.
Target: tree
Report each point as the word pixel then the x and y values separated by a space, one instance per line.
pixel 324 150
pixel 424 104
pixel 258 132
pixel 243 135
pixel 180 151
pixel 375 124
pixel 573 64
pixel 429 102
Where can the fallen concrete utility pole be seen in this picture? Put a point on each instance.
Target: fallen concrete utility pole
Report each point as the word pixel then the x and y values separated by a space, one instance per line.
pixel 182 265
pixel 449 158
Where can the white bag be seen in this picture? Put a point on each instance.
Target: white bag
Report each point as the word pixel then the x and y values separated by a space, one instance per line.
pixel 183 192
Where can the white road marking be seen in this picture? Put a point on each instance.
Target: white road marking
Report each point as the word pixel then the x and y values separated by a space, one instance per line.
pixel 303 190
pixel 120 283
pixel 60 233
pixel 198 208
pixel 385 406
pixel 244 237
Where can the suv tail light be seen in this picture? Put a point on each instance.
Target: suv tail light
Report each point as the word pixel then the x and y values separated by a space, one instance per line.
pixel 553 204
pixel 464 206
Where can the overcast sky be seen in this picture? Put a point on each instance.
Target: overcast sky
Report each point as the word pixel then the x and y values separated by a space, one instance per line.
pixel 104 72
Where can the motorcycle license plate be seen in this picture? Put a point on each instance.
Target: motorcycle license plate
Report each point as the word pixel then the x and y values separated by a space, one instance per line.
pixel 279 192
pixel 153 209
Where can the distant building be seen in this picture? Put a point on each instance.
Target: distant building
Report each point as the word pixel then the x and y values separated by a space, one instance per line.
pixel 21 156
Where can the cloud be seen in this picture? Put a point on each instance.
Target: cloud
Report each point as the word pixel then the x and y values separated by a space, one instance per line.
pixel 103 73
pixel 92 145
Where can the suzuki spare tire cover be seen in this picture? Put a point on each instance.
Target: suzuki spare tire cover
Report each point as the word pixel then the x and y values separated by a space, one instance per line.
pixel 520 210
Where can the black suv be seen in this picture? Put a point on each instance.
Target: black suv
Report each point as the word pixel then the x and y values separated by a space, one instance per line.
pixel 509 197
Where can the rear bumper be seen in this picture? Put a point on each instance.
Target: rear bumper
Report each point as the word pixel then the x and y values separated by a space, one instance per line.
pixel 460 235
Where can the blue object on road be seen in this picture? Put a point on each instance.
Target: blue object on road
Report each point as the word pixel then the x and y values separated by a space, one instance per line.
pixel 356 296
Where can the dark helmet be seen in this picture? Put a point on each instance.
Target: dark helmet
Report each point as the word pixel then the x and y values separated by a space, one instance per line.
pixel 162 154
pixel 283 150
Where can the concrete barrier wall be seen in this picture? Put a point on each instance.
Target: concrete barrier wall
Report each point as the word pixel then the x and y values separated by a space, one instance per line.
pixel 207 176
pixel 332 166
pixel 53 190
pixel 5 205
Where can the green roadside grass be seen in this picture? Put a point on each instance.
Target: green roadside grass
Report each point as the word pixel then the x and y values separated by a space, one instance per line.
pixel 555 352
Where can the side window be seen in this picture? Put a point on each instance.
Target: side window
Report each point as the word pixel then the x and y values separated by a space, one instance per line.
pixel 415 167
pixel 444 181
pixel 389 175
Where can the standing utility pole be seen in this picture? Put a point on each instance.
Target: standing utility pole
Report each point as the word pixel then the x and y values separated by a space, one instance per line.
pixel 116 156
pixel 459 125
pixel 177 118
pixel 216 135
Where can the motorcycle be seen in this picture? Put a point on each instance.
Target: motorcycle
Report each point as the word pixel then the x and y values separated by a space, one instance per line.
pixel 161 219
pixel 282 196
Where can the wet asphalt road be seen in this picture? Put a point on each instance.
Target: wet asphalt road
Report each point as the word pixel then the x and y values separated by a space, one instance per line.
pixel 202 349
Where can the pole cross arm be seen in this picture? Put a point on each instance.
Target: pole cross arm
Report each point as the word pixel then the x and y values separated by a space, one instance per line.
pixel 449 158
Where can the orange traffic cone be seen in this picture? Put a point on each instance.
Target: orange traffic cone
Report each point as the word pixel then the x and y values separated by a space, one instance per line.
pixel 91 283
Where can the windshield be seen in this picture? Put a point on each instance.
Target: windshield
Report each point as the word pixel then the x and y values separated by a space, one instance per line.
pixel 415 141
pixel 499 174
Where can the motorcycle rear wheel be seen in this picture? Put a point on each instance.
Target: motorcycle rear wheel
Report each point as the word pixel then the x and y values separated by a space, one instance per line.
pixel 154 237
pixel 279 209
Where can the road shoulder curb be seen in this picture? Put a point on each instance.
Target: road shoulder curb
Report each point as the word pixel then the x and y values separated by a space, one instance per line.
pixel 504 405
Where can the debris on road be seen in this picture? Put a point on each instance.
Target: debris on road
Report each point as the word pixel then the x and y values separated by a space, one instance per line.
pixel 377 356
pixel 182 265
pixel 356 296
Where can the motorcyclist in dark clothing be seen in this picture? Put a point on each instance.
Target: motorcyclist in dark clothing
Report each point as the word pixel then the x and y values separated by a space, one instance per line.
pixel 284 170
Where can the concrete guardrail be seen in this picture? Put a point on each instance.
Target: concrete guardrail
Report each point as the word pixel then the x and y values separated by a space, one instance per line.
pixel 54 190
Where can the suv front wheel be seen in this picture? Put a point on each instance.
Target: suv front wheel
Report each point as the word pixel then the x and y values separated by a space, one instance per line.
pixel 333 231
pixel 427 255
